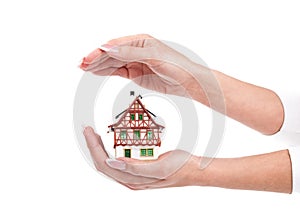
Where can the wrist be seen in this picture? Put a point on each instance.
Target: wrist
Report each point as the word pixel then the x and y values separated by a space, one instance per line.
pixel 198 176
pixel 205 87
pixel 217 174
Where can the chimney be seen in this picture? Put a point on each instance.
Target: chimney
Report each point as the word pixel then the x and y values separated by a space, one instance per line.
pixel 131 93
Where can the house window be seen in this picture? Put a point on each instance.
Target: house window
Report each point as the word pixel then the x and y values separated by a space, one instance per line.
pixel 132 116
pixel 143 152
pixel 123 134
pixel 147 152
pixel 150 152
pixel 136 135
pixel 149 135
pixel 127 153
pixel 140 116
pixel 136 106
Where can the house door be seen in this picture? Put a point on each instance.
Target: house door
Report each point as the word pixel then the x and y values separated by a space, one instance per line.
pixel 127 153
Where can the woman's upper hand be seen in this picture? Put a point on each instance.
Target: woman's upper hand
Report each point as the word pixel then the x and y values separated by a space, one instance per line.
pixel 147 61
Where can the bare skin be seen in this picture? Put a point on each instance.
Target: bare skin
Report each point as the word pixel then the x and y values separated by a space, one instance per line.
pixel 259 108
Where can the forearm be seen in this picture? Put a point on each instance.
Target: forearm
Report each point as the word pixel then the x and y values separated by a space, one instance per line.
pixel 266 172
pixel 254 106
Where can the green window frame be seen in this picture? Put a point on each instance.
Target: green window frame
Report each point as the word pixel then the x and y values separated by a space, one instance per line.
pixel 149 134
pixel 150 152
pixel 123 135
pixel 140 116
pixel 127 153
pixel 136 134
pixel 132 116
pixel 143 152
pixel 147 152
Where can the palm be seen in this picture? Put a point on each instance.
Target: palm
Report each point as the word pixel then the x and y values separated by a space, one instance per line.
pixel 156 77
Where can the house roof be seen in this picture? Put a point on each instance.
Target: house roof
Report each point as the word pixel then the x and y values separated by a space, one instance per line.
pixel 125 112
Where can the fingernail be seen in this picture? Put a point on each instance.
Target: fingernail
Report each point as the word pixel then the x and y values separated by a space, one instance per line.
pixel 81 64
pixel 116 164
pixel 83 126
pixel 109 48
pixel 80 61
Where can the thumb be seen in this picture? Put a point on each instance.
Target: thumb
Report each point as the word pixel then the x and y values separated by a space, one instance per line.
pixel 134 54
pixel 92 139
pixel 94 144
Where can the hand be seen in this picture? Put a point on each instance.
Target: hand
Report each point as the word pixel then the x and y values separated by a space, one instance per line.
pixel 175 168
pixel 149 63
pixel 265 172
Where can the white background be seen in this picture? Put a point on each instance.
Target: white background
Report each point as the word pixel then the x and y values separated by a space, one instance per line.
pixel 43 175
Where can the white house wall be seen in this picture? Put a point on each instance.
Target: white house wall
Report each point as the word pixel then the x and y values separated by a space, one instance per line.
pixel 136 152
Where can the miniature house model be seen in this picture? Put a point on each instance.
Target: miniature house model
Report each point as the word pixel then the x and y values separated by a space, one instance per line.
pixel 136 134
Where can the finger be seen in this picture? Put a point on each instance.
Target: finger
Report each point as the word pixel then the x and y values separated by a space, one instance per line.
pixel 104 64
pixel 131 71
pixel 99 156
pixel 94 144
pixel 154 185
pixel 134 40
pixel 148 55
pixel 131 40
pixel 139 48
pixel 126 178
pixel 93 55
pixel 109 72
pixel 97 61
